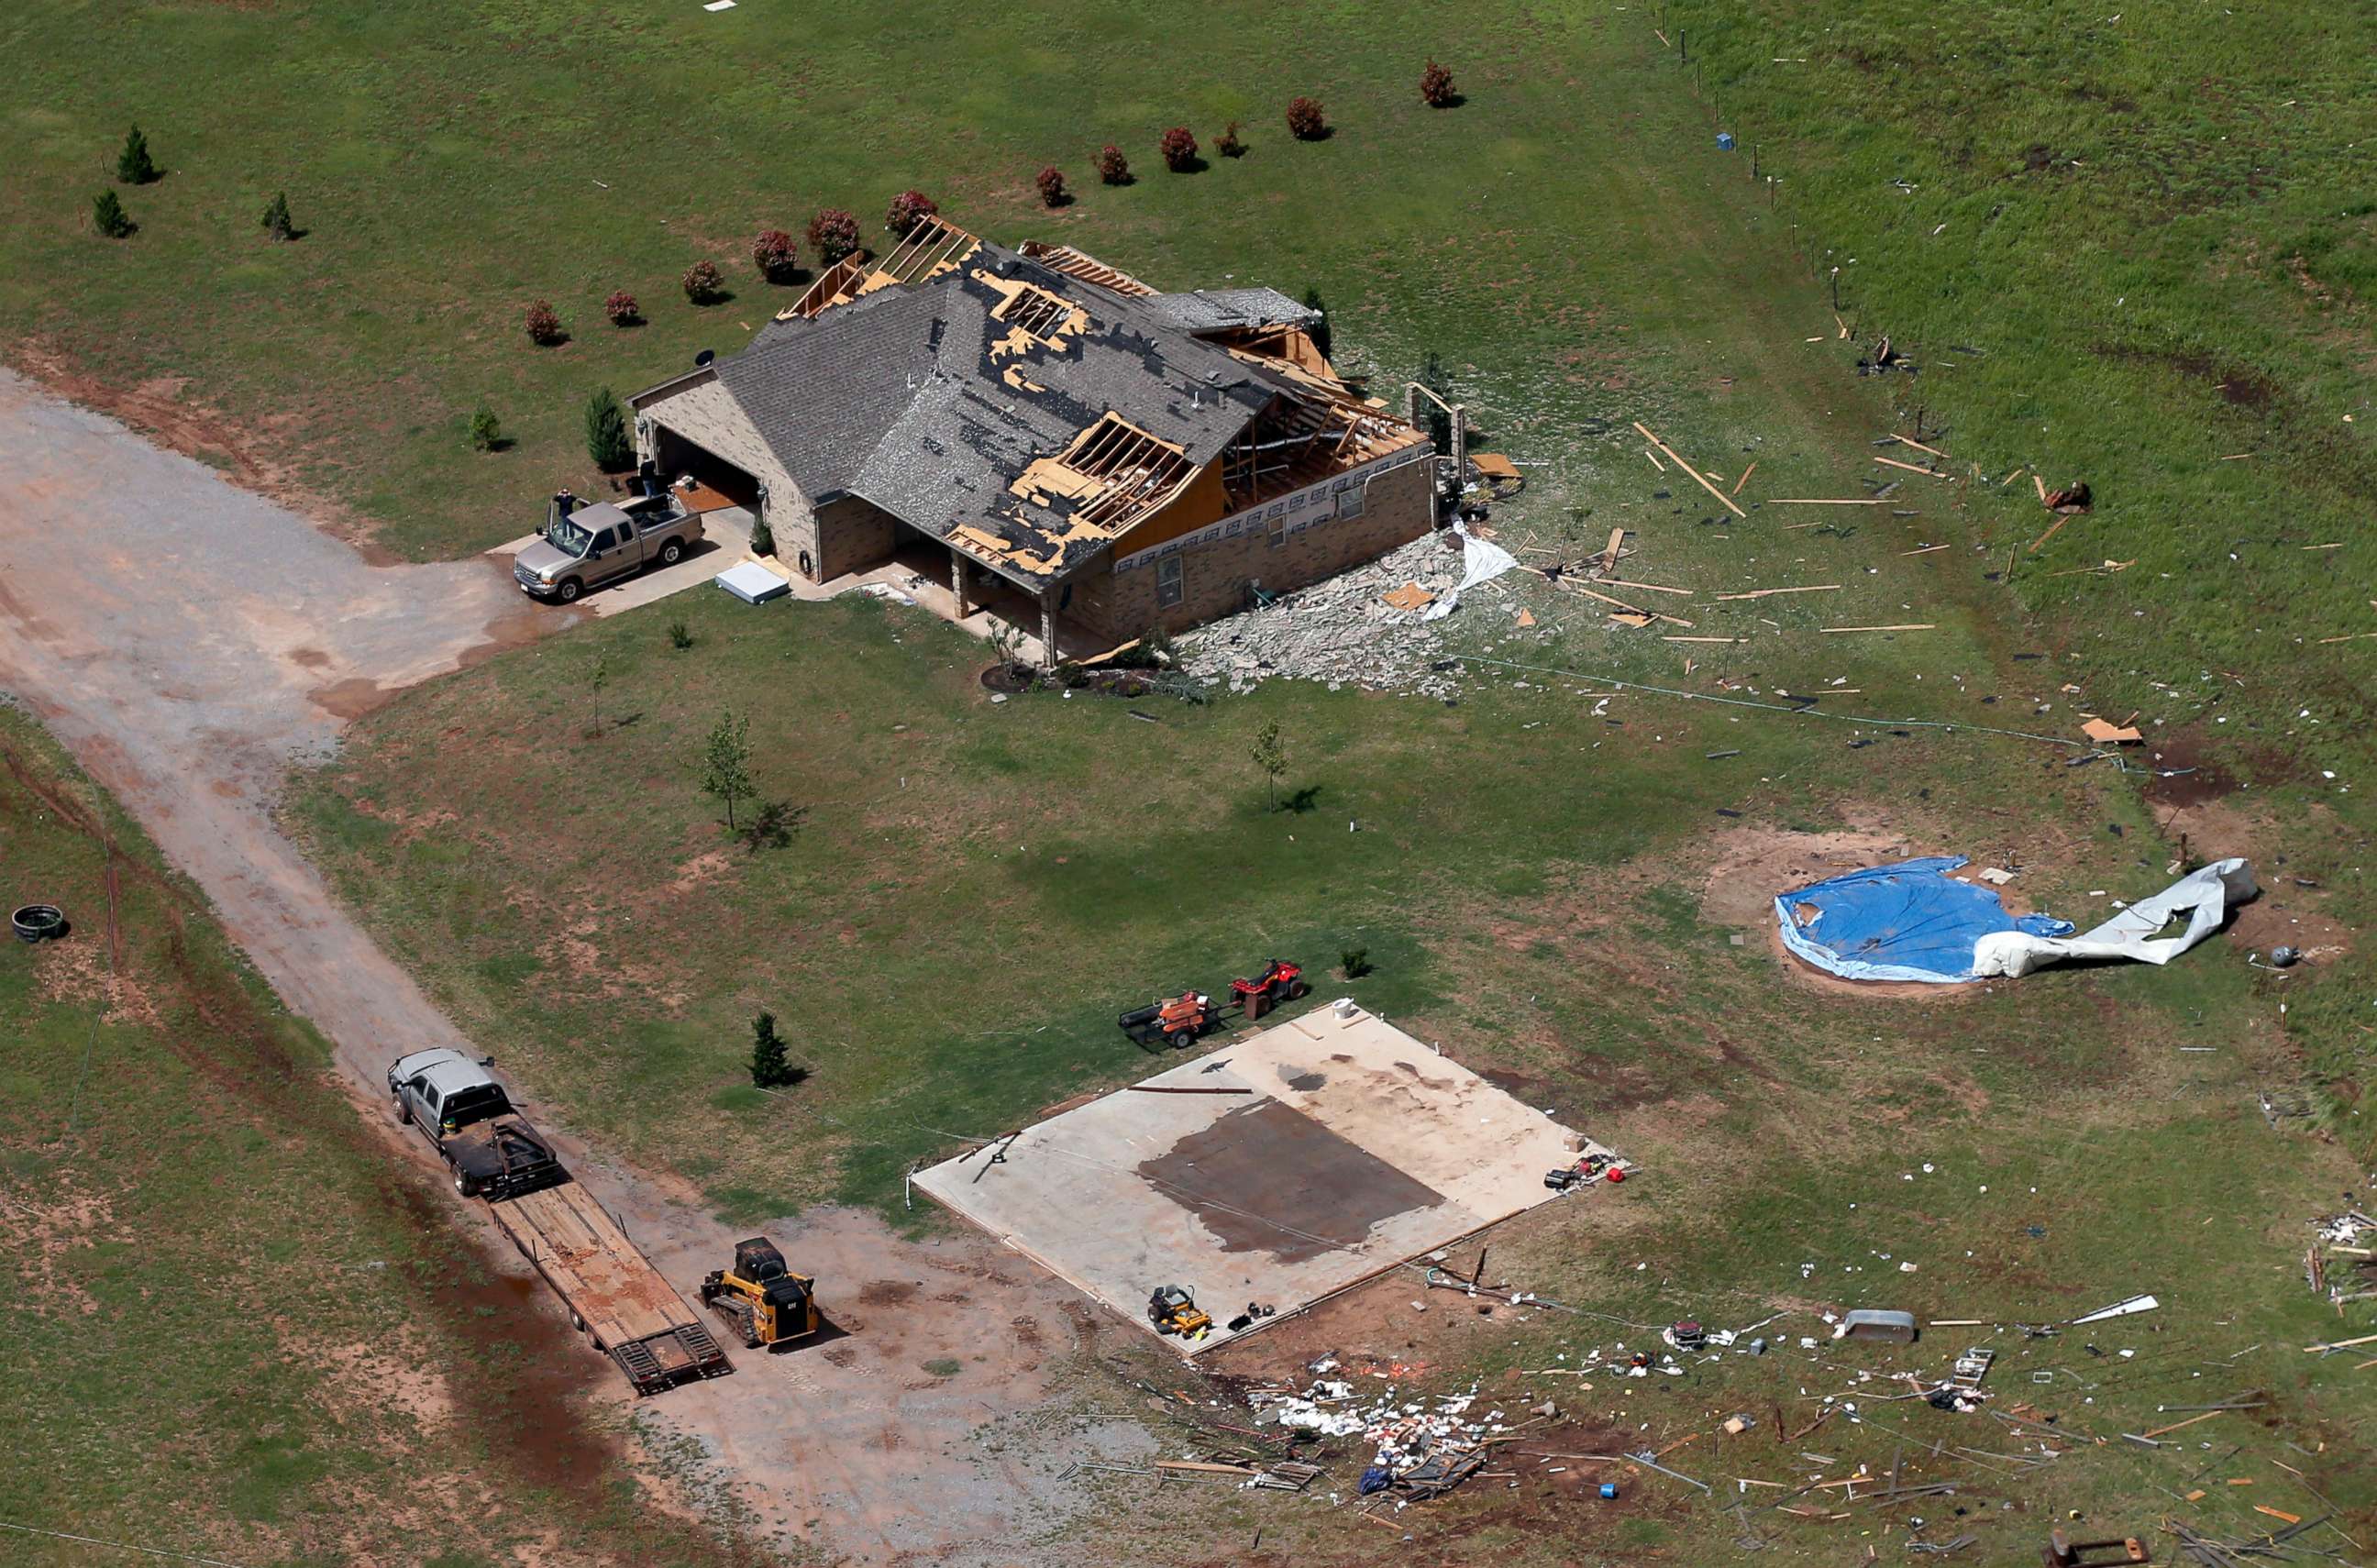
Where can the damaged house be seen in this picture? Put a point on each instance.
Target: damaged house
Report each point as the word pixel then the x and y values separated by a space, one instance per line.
pixel 1051 438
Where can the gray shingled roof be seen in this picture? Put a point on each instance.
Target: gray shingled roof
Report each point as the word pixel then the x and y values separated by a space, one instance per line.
pixel 1215 310
pixel 823 392
pixel 895 396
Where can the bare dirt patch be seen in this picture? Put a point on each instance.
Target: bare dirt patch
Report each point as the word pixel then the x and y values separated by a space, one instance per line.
pixel 1754 862
pixel 2287 911
pixel 76 970
pixel 41 1229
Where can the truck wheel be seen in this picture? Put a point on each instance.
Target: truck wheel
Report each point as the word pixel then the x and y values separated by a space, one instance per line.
pixel 568 591
pixel 404 1112
pixel 464 1185
pixel 576 1321
pixel 672 552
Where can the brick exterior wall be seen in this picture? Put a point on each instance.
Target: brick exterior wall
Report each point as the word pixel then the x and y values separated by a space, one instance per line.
pixel 1118 605
pixel 849 534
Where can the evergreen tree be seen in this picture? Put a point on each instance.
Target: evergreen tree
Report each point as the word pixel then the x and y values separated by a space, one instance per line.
pixel 107 215
pixel 1319 331
pixel 771 1067
pixel 133 165
pixel 607 441
pixel 279 226
pixel 1440 422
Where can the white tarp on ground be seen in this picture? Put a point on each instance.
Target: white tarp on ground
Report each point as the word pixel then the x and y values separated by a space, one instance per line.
pixel 1481 561
pixel 2203 896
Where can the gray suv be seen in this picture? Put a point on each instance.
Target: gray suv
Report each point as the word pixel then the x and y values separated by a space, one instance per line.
pixel 603 540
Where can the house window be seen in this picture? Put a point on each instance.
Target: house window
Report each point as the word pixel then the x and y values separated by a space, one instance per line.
pixel 1279 531
pixel 1169 590
pixel 1350 502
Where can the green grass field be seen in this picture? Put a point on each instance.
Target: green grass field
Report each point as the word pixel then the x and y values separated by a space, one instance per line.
pixel 232 1316
pixel 972 891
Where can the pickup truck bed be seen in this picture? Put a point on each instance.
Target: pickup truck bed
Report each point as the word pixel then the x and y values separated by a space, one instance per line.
pixel 626 1308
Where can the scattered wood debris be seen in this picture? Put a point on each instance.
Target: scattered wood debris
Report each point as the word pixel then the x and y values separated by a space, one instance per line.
pixel 1723 499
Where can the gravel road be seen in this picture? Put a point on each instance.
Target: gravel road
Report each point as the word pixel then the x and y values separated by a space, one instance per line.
pixel 190 641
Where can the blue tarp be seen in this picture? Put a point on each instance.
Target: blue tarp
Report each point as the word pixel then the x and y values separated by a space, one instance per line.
pixel 1911 921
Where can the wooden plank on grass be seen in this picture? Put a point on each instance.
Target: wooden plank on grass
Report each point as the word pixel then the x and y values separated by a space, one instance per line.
pixel 1652 587
pixel 2055 529
pixel 1630 609
pixel 2189 1422
pixel 1924 551
pixel 1768 593
pixel 1917 626
pixel 1744 479
pixel 1816 501
pixel 1703 639
pixel 1911 441
pixel 1722 498
pixel 1911 468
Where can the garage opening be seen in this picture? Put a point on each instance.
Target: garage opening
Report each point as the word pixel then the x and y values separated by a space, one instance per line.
pixel 675 458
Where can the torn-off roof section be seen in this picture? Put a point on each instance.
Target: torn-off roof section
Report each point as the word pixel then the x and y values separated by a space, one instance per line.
pixel 1221 310
pixel 932 398
pixel 1087 267
pixel 1000 400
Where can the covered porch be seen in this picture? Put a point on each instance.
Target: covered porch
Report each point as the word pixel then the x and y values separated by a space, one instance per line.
pixel 939 577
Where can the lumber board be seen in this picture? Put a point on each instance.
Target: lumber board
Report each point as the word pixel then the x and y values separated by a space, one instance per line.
pixel 1698 478
pixel 1915 468
pixel 1911 441
pixel 1652 587
pixel 1768 593
pixel 2189 1422
pixel 1620 604
pixel 1744 479
pixel 1825 501
pixel 1917 626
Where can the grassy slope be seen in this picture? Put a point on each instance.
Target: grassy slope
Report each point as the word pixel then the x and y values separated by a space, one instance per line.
pixel 225 1321
pixel 2159 229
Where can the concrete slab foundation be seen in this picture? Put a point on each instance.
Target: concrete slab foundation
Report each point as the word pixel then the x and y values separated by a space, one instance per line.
pixel 1276 1171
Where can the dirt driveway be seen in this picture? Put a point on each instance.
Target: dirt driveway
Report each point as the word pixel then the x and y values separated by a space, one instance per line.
pixel 188 641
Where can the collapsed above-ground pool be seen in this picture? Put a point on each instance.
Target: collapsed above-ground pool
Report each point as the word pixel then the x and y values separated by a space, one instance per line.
pixel 1913 921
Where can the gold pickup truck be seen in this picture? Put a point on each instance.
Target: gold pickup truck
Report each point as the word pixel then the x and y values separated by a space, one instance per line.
pixel 601 541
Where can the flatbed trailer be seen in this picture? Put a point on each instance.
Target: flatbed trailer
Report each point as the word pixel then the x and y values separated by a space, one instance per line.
pixel 611 1290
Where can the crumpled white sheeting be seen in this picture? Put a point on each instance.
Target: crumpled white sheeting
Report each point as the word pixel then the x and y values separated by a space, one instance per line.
pixel 1481 561
pixel 2129 934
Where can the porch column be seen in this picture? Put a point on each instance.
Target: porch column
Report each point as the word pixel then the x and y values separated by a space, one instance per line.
pixel 1048 627
pixel 958 581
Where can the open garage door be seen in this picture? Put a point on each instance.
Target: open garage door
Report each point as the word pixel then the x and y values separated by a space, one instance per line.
pixel 717 482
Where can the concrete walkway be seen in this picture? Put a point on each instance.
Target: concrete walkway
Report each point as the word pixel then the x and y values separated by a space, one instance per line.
pixel 188 642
